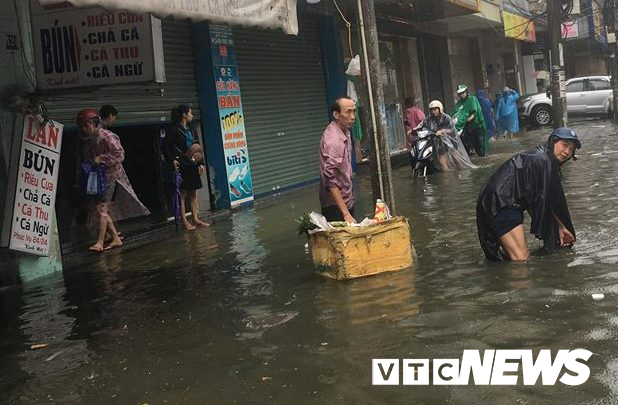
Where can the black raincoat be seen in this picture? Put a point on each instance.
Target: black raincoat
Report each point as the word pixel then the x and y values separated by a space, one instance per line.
pixel 528 181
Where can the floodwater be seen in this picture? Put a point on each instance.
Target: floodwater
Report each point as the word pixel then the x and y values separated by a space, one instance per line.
pixel 235 313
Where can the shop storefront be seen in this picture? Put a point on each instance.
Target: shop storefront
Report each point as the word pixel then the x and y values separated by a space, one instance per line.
pixel 143 66
pixel 435 69
pixel 265 97
pixel 464 55
pixel 284 101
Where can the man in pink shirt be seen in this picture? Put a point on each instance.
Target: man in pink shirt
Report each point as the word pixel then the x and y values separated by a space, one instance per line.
pixel 336 194
pixel 413 117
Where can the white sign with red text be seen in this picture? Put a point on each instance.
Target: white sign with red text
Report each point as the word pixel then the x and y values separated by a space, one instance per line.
pixel 37 180
pixel 96 47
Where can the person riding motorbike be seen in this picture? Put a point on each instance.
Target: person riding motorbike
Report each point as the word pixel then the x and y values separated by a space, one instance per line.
pixel 470 121
pixel 448 148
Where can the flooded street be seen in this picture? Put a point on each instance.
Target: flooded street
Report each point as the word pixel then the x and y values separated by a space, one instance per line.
pixel 235 314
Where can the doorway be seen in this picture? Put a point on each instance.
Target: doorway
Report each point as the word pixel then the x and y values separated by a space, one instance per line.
pixel 393 108
pixel 143 166
pixel 510 70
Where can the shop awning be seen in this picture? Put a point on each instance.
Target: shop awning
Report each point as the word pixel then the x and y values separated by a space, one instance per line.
pixel 259 13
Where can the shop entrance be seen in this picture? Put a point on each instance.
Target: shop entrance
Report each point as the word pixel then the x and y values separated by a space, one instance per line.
pixel 143 166
pixel 510 71
pixel 394 112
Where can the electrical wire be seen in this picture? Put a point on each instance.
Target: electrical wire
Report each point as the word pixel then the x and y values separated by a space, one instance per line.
pixel 527 23
pixel 566 9
pixel 28 73
pixel 38 102
pixel 521 11
pixel 486 19
pixel 583 14
pixel 348 25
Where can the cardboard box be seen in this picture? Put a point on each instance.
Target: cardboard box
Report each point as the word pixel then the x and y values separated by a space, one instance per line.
pixel 353 252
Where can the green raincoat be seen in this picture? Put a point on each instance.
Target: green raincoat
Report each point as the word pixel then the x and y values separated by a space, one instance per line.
pixel 463 109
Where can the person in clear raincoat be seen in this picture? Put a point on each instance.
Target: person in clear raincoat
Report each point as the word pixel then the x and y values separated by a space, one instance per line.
pixel 101 147
pixel 448 148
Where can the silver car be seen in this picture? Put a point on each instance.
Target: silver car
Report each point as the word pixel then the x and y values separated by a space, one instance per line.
pixel 585 95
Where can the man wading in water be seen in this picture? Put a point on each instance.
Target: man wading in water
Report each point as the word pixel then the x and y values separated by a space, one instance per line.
pixel 529 181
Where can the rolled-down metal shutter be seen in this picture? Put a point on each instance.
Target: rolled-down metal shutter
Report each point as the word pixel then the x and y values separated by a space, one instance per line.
pixel 140 103
pixel 284 101
pixel 461 61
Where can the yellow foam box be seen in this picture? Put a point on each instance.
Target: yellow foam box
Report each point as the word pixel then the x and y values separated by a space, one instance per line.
pixel 351 252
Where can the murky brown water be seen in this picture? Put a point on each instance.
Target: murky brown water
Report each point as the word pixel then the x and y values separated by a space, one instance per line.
pixel 234 313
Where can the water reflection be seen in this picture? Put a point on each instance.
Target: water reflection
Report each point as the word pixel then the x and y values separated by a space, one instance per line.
pixel 44 319
pixel 236 313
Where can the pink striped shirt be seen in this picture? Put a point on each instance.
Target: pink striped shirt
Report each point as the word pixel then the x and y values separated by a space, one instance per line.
pixel 336 165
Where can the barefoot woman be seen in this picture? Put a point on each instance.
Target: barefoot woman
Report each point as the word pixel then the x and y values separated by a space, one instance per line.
pixel 178 146
pixel 102 147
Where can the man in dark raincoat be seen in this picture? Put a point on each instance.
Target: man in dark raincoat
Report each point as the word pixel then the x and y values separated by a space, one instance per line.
pixel 529 181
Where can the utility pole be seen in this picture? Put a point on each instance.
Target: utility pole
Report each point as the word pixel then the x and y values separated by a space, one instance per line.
pixel 614 59
pixel 381 177
pixel 558 90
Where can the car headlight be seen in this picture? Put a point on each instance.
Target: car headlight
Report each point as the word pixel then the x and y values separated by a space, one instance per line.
pixel 527 99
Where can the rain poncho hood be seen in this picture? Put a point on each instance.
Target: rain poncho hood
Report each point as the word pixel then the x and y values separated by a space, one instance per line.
pixel 464 108
pixel 528 181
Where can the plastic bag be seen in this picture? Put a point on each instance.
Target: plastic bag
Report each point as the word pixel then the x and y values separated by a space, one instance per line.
pixel 92 184
pixel 320 221
pixel 95 179
pixel 352 91
pixel 354 67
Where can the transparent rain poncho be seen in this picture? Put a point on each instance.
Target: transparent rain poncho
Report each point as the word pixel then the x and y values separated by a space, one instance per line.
pixel 453 151
pixel 448 148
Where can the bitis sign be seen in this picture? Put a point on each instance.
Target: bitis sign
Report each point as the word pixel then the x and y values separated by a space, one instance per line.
pixel 231 115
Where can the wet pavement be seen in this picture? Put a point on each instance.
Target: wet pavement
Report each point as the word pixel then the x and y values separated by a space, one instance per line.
pixel 235 314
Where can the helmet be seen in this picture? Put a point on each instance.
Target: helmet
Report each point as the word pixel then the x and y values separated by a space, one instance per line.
pixel 436 104
pixel 566 134
pixel 86 115
pixel 461 88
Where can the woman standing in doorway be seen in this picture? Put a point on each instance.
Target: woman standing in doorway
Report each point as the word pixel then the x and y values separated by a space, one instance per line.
pixel 183 152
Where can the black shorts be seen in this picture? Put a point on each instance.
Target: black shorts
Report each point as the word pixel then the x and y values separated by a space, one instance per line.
pixel 506 220
pixel 332 213
pixel 191 179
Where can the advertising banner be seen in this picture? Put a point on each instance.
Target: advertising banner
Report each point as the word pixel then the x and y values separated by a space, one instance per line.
pixel 95 47
pixel 518 27
pixel 595 23
pixel 570 30
pixel 231 115
pixel 260 13
pixel 37 180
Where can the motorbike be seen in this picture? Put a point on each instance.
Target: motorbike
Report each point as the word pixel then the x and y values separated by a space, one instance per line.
pixel 421 154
